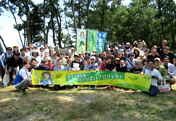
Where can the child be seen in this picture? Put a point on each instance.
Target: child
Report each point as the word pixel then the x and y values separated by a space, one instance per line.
pixel 110 67
pixel 93 66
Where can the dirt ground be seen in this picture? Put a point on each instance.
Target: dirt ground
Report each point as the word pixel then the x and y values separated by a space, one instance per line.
pixel 46 104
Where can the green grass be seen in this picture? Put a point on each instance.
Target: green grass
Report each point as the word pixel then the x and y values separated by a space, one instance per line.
pixel 42 104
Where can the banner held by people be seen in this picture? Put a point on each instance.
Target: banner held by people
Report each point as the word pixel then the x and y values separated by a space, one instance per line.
pixel 126 80
pixel 101 41
pixel 92 41
pixel 81 40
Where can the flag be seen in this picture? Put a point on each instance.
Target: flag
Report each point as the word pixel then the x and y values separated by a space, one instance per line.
pixel 101 41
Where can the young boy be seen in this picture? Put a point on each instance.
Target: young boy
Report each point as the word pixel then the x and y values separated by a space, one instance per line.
pixel 110 67
pixel 93 66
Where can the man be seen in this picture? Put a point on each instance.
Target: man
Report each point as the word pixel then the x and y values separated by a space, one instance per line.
pixel 171 55
pixel 23 55
pixel 155 76
pixel 76 65
pixel 56 49
pixel 97 59
pixel 46 48
pixel 30 48
pixel 141 58
pixel 72 53
pixel 120 56
pixel 33 64
pixel 55 60
pixel 131 49
pixel 116 52
pixel 15 62
pixel 131 62
pixel 127 46
pixel 137 69
pixel 50 50
pixel 111 49
pixel 35 47
pixel 144 47
pixel 52 55
pixel 160 68
pixel 68 67
pixel 153 55
pixel 122 67
pixel 59 66
pixel 160 49
pixel 170 68
pixel 42 53
pixel 27 51
pixel 23 78
pixel 86 67
pixel 44 66
pixel 5 56
pixel 64 61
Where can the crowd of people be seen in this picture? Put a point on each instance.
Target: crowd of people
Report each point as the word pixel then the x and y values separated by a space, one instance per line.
pixel 159 62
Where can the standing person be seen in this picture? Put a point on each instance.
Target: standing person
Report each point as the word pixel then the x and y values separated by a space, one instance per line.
pixel 144 47
pixel 145 63
pixel 44 66
pixel 35 54
pixel 55 59
pixel 56 50
pixel 30 45
pixel 69 62
pixel 141 58
pixel 73 53
pixel 27 51
pixel 50 50
pixel 147 52
pixel 170 69
pixel 42 53
pixel 153 55
pixel 97 59
pixel 127 46
pixel 46 48
pixel 137 69
pixel 93 66
pixel 23 54
pixel 122 67
pixel 110 67
pixel 15 48
pixel 86 67
pixel 23 78
pixel 131 49
pixel 116 52
pixel 131 62
pixel 160 49
pixel 50 64
pixel 120 56
pixel 52 55
pixel 35 47
pixel 103 64
pixel 5 56
pixel 83 65
pixel 64 61
pixel 14 62
pixel 111 49
pixel 136 53
pixel 155 76
pixel 117 63
pixel 171 55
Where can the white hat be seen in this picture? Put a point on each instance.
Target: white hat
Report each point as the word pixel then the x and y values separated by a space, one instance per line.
pixel 141 54
pixel 128 43
pixel 35 51
pixel 93 57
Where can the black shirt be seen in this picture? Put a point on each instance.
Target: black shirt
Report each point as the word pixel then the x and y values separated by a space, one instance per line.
pixel 171 56
pixel 150 57
pixel 110 66
pixel 160 50
pixel 76 62
pixel 136 71
pixel 112 52
pixel 47 68
pixel 32 67
pixel 123 58
pixel 122 69
pixel 11 62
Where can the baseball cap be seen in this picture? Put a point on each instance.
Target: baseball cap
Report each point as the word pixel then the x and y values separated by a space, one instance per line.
pixel 120 46
pixel 137 62
pixel 116 48
pixel 76 55
pixel 43 60
pixel 147 50
pixel 157 59
pixel 92 58
pixel 128 43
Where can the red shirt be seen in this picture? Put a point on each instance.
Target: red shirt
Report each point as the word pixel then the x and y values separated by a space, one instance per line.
pixel 51 66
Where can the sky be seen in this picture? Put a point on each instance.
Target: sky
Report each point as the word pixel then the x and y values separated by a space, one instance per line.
pixel 10 35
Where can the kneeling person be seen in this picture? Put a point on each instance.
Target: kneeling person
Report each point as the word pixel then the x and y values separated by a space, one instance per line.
pixel 23 78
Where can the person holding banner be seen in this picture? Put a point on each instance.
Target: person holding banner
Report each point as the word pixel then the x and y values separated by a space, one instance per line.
pixel 155 76
pixel 110 67
pixel 23 78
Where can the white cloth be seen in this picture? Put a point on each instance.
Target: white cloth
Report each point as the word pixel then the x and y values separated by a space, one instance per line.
pixel 129 66
pixel 155 73
pixel 46 50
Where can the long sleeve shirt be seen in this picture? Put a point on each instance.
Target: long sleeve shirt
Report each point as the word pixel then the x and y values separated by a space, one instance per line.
pixel 171 69
pixel 11 62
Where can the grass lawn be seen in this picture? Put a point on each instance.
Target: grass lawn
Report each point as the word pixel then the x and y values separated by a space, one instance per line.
pixel 46 104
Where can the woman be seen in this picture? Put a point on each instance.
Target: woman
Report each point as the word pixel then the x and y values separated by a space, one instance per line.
pixel 103 64
pixel 117 63
pixel 136 53
pixel 35 55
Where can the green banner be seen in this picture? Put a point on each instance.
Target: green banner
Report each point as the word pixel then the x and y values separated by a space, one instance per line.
pixel 126 80
pixel 81 40
pixel 92 42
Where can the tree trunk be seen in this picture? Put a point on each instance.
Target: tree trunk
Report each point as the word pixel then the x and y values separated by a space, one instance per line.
pixel 102 17
pixel 44 34
pixel 28 23
pixel 3 41
pixel 79 15
pixel 74 14
pixel 52 22
pixel 15 23
pixel 88 22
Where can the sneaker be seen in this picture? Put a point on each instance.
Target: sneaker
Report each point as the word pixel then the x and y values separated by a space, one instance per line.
pixel 23 91
pixel 95 87
pixel 109 87
pixel 113 87
pixel 89 87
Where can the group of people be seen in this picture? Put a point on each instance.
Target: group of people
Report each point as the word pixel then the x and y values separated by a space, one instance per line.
pixel 159 62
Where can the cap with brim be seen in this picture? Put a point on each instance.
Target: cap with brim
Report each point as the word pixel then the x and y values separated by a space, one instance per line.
pixel 157 59
pixel 128 43
pixel 136 49
pixel 120 46
pixel 43 60
pixel 15 46
pixel 141 54
pixel 155 46
pixel 117 59
pixel 35 51
pixel 137 62
pixel 72 48
pixel 116 48
pixel 147 50
pixel 76 55
pixel 49 59
pixel 92 58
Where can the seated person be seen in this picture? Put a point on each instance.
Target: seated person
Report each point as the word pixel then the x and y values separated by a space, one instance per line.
pixel 155 76
pixel 170 69
pixel 122 67
pixel 137 69
pixel 44 66
pixel 23 78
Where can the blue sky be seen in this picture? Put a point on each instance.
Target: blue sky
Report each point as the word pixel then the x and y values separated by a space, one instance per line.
pixel 10 35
